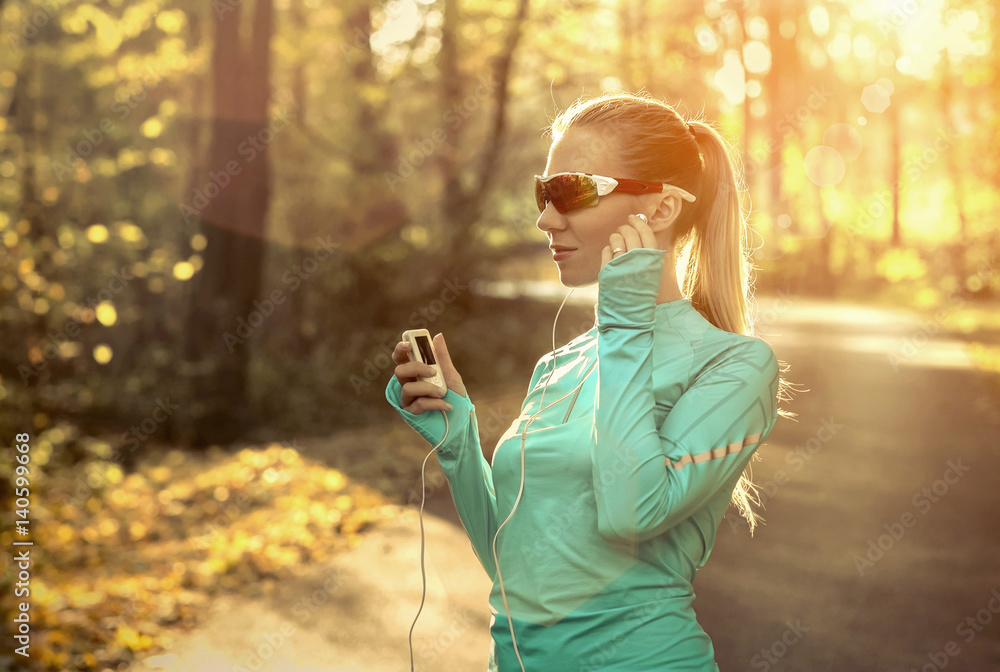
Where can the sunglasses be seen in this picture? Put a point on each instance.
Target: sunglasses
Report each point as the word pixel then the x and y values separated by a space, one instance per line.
pixel 571 191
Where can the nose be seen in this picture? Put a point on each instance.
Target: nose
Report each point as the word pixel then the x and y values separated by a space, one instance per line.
pixel 550 219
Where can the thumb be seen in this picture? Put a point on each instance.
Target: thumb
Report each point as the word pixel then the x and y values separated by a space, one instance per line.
pixel 451 376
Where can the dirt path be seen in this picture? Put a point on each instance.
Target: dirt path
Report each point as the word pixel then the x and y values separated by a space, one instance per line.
pixel 355 614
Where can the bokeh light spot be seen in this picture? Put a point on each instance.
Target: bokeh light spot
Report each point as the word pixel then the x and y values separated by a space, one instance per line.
pixel 845 139
pixel 875 98
pixel 152 127
pixel 103 354
pixel 106 313
pixel 183 270
pixel 98 233
pixel 824 166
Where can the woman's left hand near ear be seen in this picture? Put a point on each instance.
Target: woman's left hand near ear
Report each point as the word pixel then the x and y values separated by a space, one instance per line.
pixel 636 233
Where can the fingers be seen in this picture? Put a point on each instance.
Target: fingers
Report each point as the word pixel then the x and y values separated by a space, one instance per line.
pixel 409 371
pixel 451 376
pixel 441 348
pixel 424 404
pixel 617 241
pixel 628 236
pixel 419 396
pixel 400 354
pixel 634 234
pixel 646 236
pixel 624 239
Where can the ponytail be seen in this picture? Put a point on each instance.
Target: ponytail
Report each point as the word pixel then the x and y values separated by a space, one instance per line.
pixel 717 276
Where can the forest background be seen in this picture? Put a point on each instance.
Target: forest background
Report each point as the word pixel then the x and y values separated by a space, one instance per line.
pixel 216 218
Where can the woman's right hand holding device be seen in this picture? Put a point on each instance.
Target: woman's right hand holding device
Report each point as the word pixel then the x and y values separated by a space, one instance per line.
pixel 418 395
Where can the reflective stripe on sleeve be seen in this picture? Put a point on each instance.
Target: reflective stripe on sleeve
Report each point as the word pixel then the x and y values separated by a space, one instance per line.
pixel 715 453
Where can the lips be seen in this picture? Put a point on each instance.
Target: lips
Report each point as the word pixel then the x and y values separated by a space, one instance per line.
pixel 560 252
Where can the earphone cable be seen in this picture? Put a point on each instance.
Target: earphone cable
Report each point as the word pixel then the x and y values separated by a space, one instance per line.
pixel 423 574
pixel 541 405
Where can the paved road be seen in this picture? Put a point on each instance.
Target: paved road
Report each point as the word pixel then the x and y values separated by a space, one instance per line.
pixel 883 508
pixel 881 542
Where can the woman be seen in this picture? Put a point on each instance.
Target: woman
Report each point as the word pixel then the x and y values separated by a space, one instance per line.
pixel 653 414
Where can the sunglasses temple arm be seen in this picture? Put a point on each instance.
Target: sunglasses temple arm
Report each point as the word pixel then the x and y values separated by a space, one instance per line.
pixel 686 195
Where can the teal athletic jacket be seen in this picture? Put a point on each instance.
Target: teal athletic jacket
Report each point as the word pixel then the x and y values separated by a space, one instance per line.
pixel 626 480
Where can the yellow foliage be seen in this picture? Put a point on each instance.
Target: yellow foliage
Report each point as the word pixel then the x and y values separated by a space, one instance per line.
pixel 123 561
pixel 131 638
pixel 901 264
pixel 334 480
pixel 987 357
pixel 170 22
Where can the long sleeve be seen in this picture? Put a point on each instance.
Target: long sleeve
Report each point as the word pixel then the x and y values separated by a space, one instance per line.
pixel 470 477
pixel 649 479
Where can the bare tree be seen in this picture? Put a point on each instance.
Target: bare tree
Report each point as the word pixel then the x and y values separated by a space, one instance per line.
pixel 233 216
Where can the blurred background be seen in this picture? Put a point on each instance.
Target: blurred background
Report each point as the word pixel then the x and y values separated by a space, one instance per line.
pixel 218 217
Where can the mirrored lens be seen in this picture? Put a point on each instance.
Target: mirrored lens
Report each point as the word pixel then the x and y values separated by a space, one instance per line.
pixel 566 192
pixel 540 198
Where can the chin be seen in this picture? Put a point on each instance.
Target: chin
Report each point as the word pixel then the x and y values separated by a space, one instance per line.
pixel 574 280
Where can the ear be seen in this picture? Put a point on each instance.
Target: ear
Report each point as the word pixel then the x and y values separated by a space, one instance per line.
pixel 668 207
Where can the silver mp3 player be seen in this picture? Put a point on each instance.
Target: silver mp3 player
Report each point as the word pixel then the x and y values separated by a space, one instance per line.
pixel 422 350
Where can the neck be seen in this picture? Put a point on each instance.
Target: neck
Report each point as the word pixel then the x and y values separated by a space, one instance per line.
pixel 669 291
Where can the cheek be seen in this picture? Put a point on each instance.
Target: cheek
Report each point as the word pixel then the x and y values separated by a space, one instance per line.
pixel 594 226
pixel 607 222
pixel 596 229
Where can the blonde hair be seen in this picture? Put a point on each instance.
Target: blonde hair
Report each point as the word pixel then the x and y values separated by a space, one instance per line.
pixel 657 144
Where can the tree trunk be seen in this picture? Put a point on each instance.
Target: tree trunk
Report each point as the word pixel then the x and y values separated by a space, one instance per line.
pixel 750 171
pixel 825 280
pixel 462 206
pixel 774 88
pixel 894 149
pixel 375 150
pixel 231 205
pixel 302 333
pixel 956 174
pixel 626 41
